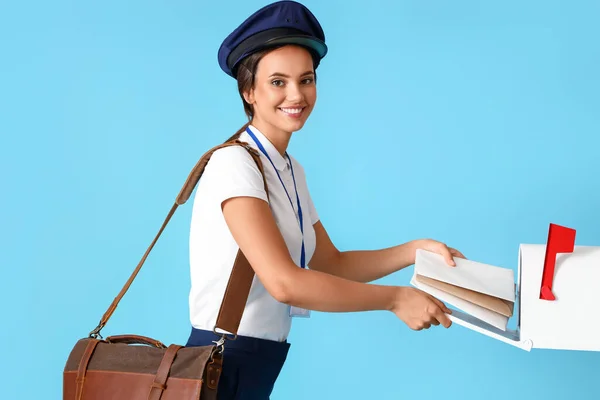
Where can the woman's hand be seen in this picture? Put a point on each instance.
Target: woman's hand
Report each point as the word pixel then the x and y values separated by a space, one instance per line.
pixel 440 248
pixel 419 310
pixel 416 308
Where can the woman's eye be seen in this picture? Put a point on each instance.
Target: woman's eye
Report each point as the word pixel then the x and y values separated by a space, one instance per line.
pixel 308 81
pixel 277 82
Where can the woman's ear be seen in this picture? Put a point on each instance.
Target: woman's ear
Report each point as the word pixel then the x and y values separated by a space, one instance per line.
pixel 249 96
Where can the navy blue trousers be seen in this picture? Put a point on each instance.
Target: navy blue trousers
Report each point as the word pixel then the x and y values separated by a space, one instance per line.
pixel 250 366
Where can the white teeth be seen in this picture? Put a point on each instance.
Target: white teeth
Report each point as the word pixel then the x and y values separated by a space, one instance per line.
pixel 291 110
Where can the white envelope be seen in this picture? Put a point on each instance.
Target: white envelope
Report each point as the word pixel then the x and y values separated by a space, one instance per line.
pixel 475 276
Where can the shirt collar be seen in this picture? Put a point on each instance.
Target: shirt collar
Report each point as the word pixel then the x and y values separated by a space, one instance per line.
pixel 278 160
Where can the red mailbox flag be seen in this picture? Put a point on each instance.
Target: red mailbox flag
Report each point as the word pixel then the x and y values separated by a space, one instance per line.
pixel 560 240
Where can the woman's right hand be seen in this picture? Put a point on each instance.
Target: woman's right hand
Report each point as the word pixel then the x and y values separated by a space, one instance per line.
pixel 420 310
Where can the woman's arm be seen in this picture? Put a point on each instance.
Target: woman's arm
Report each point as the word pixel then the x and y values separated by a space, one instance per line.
pixel 254 229
pixel 370 265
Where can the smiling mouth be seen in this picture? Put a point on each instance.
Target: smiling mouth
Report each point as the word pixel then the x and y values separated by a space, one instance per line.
pixel 292 112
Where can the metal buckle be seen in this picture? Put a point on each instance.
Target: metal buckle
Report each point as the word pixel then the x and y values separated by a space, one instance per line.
pixel 219 348
pixel 95 333
pixel 220 344
pixel 233 336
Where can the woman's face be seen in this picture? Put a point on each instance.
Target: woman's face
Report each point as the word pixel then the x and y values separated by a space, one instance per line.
pixel 284 92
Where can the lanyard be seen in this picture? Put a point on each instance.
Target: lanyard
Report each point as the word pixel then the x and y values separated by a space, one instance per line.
pixel 261 147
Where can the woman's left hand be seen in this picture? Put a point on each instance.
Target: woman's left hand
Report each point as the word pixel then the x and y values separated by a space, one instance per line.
pixel 440 248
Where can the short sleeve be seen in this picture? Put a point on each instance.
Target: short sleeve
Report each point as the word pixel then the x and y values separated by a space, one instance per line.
pixel 232 172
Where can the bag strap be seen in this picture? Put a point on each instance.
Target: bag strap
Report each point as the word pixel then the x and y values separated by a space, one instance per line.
pixel 242 274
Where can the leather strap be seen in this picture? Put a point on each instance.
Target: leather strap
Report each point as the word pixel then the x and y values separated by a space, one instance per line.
pixel 237 291
pixel 83 364
pixel 160 379
pixel 240 281
pixel 213 371
pixel 135 339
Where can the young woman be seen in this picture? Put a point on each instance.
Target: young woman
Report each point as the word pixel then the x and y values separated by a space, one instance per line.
pixel 274 55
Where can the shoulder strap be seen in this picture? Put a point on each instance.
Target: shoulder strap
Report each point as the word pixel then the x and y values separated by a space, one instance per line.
pixel 242 274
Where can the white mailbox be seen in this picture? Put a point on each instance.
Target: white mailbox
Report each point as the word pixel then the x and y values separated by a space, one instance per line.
pixel 557 296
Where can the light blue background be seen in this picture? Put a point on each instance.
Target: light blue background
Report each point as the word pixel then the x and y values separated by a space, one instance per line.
pixel 474 123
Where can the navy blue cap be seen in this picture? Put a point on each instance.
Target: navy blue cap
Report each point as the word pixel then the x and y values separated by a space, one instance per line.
pixel 279 23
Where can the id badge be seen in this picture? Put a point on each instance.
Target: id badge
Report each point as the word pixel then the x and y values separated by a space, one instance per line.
pixel 299 312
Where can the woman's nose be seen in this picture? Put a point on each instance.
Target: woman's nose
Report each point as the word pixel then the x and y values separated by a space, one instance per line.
pixel 294 94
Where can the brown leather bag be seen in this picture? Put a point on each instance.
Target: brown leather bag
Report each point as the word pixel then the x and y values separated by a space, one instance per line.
pixel 116 368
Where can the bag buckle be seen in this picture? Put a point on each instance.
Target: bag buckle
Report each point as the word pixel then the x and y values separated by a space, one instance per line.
pixel 95 333
pixel 220 344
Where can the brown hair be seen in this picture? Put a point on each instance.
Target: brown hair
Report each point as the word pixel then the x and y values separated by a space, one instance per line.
pixel 245 74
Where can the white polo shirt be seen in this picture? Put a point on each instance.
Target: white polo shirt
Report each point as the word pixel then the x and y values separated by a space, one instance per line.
pixel 231 172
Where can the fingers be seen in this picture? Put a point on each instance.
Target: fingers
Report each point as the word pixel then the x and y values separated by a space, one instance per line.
pixel 441 305
pixel 456 253
pixel 425 311
pixel 421 326
pixel 437 318
pixel 438 313
pixel 443 318
pixel 447 254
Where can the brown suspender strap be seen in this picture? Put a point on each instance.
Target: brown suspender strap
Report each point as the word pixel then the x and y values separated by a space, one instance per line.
pixel 236 293
pixel 160 379
pixel 240 281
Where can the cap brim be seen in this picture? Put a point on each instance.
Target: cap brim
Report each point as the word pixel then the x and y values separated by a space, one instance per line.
pixel 310 42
